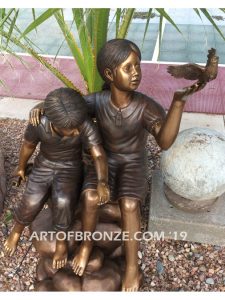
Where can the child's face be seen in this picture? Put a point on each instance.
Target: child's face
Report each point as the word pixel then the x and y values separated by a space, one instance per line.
pixel 127 76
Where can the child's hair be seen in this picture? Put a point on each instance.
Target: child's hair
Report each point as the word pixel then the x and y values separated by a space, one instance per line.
pixel 113 53
pixel 65 108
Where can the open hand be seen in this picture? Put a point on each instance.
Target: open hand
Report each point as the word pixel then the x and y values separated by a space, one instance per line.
pixel 182 94
pixel 35 116
pixel 20 173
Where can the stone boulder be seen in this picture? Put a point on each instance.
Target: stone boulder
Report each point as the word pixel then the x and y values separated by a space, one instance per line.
pixel 194 166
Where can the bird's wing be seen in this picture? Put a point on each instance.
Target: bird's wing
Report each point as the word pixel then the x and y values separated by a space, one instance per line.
pixel 187 71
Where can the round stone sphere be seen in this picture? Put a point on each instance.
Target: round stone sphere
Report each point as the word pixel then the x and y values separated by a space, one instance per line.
pixel 194 166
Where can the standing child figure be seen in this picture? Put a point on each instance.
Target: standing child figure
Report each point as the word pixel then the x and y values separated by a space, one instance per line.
pixel 124 118
pixel 58 166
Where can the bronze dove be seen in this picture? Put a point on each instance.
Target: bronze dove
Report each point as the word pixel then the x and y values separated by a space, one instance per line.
pixel 196 72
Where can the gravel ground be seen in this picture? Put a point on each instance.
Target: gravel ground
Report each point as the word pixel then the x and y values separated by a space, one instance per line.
pixel 167 265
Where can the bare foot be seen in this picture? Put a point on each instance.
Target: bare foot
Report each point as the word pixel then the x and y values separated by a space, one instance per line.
pixel 11 243
pixel 60 256
pixel 80 260
pixel 132 280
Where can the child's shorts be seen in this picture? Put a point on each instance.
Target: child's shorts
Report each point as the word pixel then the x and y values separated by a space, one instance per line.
pixel 127 176
pixel 64 179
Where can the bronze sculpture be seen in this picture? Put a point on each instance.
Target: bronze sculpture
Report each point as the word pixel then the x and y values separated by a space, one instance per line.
pixel 61 133
pixel 124 117
pixel 197 72
pixel 104 269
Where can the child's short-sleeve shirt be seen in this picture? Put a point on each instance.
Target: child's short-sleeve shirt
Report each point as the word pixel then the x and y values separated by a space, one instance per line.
pixel 125 130
pixel 57 148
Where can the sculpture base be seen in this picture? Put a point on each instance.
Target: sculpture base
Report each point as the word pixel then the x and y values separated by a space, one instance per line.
pixel 187 204
pixel 167 221
pixel 104 269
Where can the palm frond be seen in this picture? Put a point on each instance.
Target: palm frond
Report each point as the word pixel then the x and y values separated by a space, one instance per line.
pixel 38 21
pixel 122 32
pixel 86 45
pixel 164 14
pixel 210 19
pixel 147 24
pixel 71 42
pixel 99 33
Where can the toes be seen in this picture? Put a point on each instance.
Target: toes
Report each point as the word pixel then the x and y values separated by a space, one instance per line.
pixel 9 251
pixel 77 270
pixel 59 264
pixel 63 263
pixel 81 272
pixel 130 289
pixel 54 264
pixel 74 264
pixel 75 267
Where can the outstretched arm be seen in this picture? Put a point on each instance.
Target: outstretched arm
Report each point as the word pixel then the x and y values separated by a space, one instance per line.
pixel 101 167
pixel 166 133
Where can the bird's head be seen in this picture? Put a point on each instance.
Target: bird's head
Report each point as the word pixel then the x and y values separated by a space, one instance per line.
pixel 214 60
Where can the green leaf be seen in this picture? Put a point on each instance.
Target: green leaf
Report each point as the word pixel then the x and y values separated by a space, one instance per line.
pixel 64 40
pixel 207 15
pixel 86 45
pixel 89 21
pixel 42 18
pixel 2 13
pixel 34 16
pixel 8 217
pixel 4 17
pixel 71 42
pixel 118 16
pixel 163 13
pixel 126 23
pixel 160 30
pixel 147 24
pixel 12 26
pixel 99 32
pixel 197 12
pixel 3 20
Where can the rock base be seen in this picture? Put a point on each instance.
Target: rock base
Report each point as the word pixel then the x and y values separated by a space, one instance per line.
pixel 103 272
